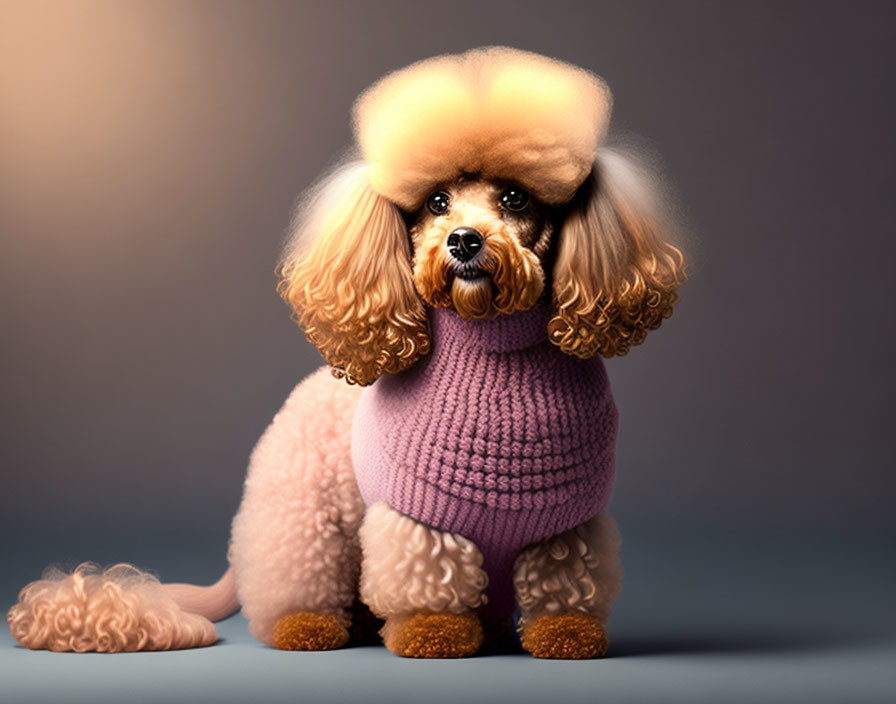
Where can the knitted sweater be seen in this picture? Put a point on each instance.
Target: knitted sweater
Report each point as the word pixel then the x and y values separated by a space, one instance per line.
pixel 497 436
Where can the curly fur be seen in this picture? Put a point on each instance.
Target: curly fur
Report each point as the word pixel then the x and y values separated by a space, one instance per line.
pixel 116 610
pixel 346 273
pixel 410 568
pixel 294 545
pixel 498 112
pixel 578 570
pixel 615 278
pixel 497 115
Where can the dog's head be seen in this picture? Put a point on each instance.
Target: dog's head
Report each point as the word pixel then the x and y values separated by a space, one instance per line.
pixel 482 184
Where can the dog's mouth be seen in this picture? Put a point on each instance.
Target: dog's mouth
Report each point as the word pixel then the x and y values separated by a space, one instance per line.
pixel 470 273
pixel 502 276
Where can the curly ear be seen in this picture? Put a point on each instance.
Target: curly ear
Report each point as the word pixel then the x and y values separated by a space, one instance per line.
pixel 346 273
pixel 615 278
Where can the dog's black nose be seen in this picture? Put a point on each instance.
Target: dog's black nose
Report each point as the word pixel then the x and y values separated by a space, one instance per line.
pixel 464 243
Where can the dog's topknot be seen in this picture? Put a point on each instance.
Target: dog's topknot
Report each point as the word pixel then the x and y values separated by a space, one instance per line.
pixel 498 112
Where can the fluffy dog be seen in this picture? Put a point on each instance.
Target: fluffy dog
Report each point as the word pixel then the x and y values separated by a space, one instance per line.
pixel 469 269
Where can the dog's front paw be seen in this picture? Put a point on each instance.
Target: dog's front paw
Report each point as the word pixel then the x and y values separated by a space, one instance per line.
pixel 570 636
pixel 309 631
pixel 433 635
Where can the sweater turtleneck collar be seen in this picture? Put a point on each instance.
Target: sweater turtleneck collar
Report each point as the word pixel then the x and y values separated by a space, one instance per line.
pixel 503 333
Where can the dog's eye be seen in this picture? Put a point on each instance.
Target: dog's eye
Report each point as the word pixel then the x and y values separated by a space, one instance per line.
pixel 437 203
pixel 514 199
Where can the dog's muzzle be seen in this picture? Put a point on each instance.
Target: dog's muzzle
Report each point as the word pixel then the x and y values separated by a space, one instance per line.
pixel 464 243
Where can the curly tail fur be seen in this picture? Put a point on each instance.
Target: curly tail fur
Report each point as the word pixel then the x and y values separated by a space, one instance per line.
pixel 118 609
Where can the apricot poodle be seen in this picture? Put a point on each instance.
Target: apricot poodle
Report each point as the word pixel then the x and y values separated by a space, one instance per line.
pixel 463 274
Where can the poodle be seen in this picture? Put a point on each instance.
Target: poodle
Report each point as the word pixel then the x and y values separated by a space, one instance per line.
pixel 462 277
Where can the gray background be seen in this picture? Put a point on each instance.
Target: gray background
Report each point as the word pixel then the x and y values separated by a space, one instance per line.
pixel 150 155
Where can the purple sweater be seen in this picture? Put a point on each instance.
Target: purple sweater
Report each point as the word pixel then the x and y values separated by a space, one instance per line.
pixel 497 435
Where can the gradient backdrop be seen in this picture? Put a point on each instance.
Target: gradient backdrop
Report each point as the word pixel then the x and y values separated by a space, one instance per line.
pixel 150 156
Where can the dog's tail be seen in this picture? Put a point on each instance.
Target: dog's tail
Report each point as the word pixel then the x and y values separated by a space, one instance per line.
pixel 215 602
pixel 118 609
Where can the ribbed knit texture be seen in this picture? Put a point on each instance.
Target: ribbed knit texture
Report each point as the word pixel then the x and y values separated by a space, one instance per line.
pixel 498 436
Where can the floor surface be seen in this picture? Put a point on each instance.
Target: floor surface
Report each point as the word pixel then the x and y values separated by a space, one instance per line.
pixel 718 619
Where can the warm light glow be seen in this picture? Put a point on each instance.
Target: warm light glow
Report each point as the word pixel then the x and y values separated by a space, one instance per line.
pixel 89 93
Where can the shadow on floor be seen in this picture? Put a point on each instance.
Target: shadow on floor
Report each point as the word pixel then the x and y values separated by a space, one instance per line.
pixel 734 644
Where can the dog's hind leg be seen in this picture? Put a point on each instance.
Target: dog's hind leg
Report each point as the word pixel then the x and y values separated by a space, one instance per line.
pixel 566 586
pixel 295 548
pixel 426 585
